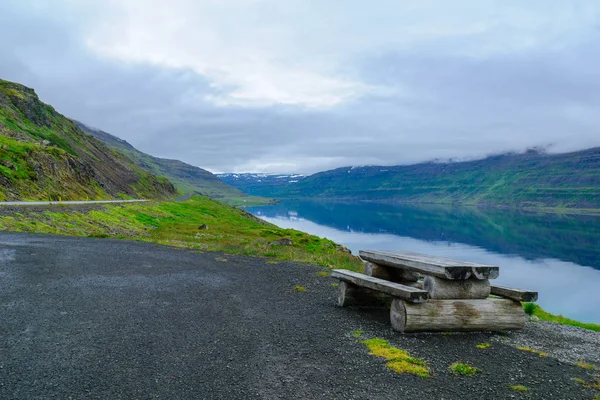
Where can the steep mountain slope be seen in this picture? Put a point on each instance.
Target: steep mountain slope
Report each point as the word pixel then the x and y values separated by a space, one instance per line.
pixel 44 155
pixel 186 177
pixel 530 179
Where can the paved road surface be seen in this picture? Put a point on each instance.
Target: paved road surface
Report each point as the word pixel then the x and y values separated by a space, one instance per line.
pixel 107 319
pixel 57 203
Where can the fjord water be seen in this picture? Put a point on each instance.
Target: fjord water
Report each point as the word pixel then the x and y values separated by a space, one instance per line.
pixel 557 255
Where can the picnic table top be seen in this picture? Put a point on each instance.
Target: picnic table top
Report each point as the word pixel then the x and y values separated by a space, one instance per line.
pixel 445 268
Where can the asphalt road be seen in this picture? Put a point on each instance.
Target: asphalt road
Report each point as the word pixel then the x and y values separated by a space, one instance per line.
pixel 107 319
pixel 57 203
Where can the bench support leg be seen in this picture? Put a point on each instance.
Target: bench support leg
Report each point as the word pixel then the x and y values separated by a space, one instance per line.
pixel 349 294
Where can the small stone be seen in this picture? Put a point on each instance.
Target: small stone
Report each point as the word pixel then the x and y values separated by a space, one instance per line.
pixel 282 242
pixel 339 247
pixel 203 227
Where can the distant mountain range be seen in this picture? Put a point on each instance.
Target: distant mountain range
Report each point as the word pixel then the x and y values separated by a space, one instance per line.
pixel 187 178
pixel 531 179
pixel 261 183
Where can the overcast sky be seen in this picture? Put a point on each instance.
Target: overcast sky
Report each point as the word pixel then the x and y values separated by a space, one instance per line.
pixel 303 86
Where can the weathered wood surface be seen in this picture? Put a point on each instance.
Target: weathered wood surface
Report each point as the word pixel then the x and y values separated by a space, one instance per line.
pixel 391 288
pixel 444 289
pixel 349 294
pixel 435 266
pixel 457 315
pixel 390 273
pixel 514 294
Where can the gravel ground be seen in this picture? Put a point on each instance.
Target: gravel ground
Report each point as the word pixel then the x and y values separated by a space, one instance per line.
pixel 567 343
pixel 107 319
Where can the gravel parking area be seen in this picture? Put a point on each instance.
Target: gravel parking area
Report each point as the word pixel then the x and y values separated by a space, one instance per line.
pixel 107 319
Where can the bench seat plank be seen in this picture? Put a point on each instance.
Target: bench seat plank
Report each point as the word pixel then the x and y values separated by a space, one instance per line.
pixel 444 268
pixel 514 294
pixel 407 293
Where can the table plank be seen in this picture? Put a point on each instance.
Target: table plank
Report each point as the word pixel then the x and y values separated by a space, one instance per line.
pixel 514 294
pixel 440 267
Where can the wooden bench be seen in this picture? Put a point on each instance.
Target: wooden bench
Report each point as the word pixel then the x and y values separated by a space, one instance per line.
pixel 352 280
pixel 433 293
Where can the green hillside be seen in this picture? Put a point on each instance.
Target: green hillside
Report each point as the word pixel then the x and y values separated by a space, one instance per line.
pixel 45 156
pixel 187 178
pixel 532 179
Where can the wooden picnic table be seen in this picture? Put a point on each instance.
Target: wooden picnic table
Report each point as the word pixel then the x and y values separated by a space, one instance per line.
pixel 433 293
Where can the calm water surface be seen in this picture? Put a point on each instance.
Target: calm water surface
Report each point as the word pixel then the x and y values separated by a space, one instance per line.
pixel 557 255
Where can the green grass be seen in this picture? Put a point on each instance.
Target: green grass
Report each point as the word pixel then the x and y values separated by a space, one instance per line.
pixel 398 360
pixel 176 224
pixel 519 388
pixel 463 369
pixel 593 383
pixel 584 365
pixel 530 350
pixel 537 311
pixel 299 289
pixel 483 345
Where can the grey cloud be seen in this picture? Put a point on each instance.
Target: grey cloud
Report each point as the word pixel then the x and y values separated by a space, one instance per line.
pixel 439 105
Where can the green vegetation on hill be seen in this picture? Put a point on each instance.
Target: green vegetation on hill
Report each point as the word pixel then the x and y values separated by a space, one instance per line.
pixel 180 224
pixel 187 178
pixel 45 156
pixel 537 311
pixel 529 180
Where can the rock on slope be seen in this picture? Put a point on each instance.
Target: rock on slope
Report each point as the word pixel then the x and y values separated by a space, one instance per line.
pixel 44 155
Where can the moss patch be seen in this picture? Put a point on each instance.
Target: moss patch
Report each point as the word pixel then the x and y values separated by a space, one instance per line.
pixel 593 383
pixel 530 350
pixel 300 289
pixel 398 360
pixel 519 388
pixel 460 368
pixel 584 365
pixel 483 345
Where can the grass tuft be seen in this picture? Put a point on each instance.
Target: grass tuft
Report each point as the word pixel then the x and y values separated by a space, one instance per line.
pixel 483 345
pixel 398 360
pixel 584 365
pixel 593 383
pixel 529 308
pixel 300 289
pixel 530 350
pixel 323 273
pixel 357 333
pixel 519 388
pixel 464 369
